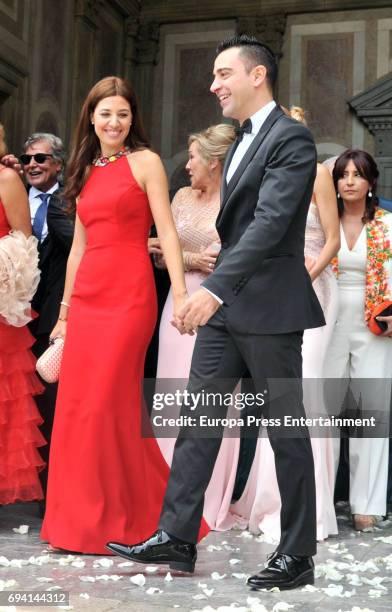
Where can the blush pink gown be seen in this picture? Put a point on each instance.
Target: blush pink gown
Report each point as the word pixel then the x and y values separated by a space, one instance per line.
pixel 195 225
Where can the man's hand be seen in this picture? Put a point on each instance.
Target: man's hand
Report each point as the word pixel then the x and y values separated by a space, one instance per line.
pixel 198 310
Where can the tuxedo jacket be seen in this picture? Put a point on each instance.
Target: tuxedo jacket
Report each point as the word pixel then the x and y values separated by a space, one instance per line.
pixel 260 273
pixel 53 255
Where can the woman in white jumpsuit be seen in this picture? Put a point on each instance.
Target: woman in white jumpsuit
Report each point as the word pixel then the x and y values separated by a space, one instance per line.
pixel 355 355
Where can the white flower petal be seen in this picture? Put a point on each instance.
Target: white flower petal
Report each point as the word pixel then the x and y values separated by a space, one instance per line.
pixel 234 561
pixel 168 577
pixel 126 564
pixel 44 579
pixel 153 590
pixel 84 595
pixel 151 569
pixel 217 576
pixel 22 529
pixel 105 562
pixel 78 563
pixel 386 540
pixel 239 576
pixel 87 578
pixel 138 579
pixel 281 606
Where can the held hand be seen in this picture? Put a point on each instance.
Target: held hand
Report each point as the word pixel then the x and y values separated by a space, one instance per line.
pixel 178 304
pixel 388 320
pixel 11 161
pixel 59 330
pixel 154 246
pixel 198 310
pixel 205 261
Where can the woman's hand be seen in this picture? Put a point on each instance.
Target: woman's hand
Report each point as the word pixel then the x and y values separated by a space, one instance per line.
pixel 388 321
pixel 59 330
pixel 310 263
pixel 205 261
pixel 11 161
pixel 178 303
pixel 154 246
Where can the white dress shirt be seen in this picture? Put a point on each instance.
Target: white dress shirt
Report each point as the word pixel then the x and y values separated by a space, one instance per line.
pixel 257 121
pixel 35 202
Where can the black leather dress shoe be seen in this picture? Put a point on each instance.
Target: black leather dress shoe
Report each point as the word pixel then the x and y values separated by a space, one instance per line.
pixel 285 572
pixel 159 549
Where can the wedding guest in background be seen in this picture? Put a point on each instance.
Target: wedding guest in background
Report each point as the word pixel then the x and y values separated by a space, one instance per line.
pixel 43 162
pixel 355 354
pixel 260 503
pixel 105 477
pixel 195 210
pixel 20 437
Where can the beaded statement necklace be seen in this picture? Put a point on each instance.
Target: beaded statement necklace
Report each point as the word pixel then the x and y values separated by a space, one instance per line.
pixel 104 160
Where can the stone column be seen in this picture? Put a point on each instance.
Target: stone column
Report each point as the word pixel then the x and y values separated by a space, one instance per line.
pixel 374 108
pixel 147 50
pixel 268 29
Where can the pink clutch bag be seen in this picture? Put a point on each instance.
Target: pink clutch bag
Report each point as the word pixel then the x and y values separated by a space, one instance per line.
pixel 48 365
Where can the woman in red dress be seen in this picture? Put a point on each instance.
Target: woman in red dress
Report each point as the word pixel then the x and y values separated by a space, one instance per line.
pixel 107 481
pixel 20 437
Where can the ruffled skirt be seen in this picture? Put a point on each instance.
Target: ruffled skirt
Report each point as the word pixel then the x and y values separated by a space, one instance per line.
pixel 20 461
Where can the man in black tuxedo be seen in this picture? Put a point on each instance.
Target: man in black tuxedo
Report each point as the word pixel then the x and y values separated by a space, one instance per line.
pixel 250 314
pixel 43 162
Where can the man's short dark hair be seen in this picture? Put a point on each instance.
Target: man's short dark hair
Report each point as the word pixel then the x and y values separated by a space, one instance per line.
pixel 254 54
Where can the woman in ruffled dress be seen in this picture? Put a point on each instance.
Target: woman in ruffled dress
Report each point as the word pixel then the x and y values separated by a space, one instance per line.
pixel 20 438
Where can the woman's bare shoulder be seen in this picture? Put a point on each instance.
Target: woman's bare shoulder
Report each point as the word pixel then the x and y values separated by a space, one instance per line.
pixel 144 156
pixel 8 176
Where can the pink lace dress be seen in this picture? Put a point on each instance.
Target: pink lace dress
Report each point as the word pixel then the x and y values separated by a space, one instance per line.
pixel 260 504
pixel 195 225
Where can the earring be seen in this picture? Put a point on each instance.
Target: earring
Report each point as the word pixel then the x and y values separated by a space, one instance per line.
pixel 92 123
pixel 370 194
pixel 339 196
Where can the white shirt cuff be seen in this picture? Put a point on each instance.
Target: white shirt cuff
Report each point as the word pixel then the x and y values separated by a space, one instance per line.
pixel 213 295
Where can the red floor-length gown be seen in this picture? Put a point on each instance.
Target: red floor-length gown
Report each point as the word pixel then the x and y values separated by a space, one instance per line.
pixel 20 437
pixel 106 481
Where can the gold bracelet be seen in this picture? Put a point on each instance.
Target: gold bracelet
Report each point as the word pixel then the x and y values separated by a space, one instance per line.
pixel 62 319
pixel 64 304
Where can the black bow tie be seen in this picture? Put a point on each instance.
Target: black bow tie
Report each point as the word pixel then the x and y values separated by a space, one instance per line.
pixel 245 128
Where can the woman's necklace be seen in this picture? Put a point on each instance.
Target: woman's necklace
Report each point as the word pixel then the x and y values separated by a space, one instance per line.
pixel 104 160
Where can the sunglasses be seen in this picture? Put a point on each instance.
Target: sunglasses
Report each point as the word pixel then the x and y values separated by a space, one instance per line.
pixel 40 158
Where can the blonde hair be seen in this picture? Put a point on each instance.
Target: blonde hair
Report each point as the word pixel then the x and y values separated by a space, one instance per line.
pixel 298 113
pixel 214 142
pixel 3 146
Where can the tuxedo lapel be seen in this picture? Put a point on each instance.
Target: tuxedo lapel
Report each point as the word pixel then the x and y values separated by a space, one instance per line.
pixel 265 128
pixel 226 165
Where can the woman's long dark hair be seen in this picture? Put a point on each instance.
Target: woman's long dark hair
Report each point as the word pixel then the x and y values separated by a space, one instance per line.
pixel 86 145
pixel 367 168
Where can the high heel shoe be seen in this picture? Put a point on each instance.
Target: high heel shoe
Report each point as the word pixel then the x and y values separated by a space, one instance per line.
pixel 365 522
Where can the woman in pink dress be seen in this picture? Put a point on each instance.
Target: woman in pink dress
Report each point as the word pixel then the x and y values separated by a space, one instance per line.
pixel 20 437
pixel 195 210
pixel 260 502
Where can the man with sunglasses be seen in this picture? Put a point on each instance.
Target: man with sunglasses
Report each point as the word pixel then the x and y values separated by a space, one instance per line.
pixel 42 163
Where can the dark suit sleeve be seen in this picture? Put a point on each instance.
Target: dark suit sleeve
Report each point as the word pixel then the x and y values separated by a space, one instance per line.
pixel 289 171
pixel 60 224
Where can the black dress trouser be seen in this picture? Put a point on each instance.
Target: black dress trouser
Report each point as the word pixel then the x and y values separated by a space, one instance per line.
pixel 221 357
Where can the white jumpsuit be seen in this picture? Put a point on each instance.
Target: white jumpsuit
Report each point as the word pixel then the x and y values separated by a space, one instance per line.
pixel 355 355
